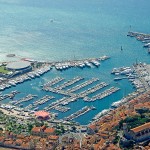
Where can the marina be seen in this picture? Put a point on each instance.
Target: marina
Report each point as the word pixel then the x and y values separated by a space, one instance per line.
pixel 65 45
pixel 72 92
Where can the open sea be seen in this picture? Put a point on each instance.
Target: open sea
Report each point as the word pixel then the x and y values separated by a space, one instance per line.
pixel 75 29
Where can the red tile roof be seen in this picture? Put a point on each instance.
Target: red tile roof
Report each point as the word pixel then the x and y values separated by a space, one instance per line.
pixel 42 114
pixel 36 129
pixel 53 137
pixel 49 130
pixel 141 128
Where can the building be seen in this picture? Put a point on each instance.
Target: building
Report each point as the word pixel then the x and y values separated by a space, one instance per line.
pixel 42 131
pixel 21 66
pixel 42 115
pixel 138 134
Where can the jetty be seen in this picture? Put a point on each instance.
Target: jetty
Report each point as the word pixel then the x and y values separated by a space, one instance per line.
pixel 139 36
pixel 11 95
pixel 61 92
pixel 62 101
pixel 53 81
pixel 144 38
pixel 61 108
pixel 79 113
pixel 69 83
pixel 43 100
pixel 29 97
pixel 62 65
pixel 93 89
pixel 102 94
pixel 82 85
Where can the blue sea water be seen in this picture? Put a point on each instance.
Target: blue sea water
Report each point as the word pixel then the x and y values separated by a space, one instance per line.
pixel 80 29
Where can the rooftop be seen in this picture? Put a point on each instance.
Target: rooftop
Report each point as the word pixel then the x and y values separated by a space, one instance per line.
pixel 49 130
pixel 42 114
pixel 18 65
pixel 141 128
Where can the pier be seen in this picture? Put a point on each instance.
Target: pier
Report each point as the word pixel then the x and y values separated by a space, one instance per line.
pixel 25 99
pixel 82 85
pixel 78 63
pixel 78 113
pixel 144 38
pixel 62 92
pixel 69 83
pixel 102 94
pixel 139 36
pixel 11 95
pixel 93 89
pixel 43 100
pixel 54 104
pixel 62 101
pixel 61 108
pixel 53 81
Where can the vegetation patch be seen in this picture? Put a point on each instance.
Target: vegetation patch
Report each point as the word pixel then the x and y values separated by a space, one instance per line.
pixel 3 70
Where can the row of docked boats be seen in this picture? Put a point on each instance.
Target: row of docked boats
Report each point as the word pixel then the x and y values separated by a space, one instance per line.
pixel 43 100
pixel 11 95
pixel 22 78
pixel 100 114
pixel 102 94
pixel 82 85
pixel 54 81
pixel 27 98
pixel 63 101
pixel 93 89
pixel 145 38
pixel 79 63
pixel 61 108
pixel 124 99
pixel 69 83
pixel 34 105
pixel 61 92
pixel 79 95
pixel 122 71
pixel 79 113
pixel 40 71
pixel 133 74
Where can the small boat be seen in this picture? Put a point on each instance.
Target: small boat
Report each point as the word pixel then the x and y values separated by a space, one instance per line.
pixel 147 45
pixel 121 48
pixel 148 50
pixel 116 79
